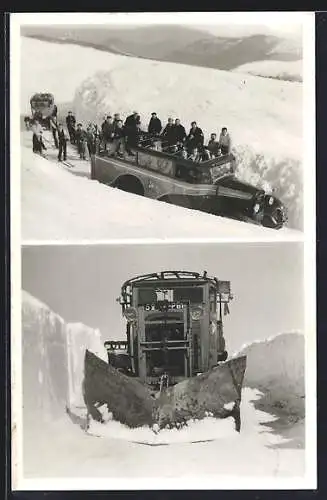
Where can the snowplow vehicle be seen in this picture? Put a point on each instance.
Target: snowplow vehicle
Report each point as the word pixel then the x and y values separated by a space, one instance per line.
pixel 43 107
pixel 173 365
pixel 209 186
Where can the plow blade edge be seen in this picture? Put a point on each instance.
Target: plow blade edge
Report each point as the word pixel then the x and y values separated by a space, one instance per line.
pixel 132 404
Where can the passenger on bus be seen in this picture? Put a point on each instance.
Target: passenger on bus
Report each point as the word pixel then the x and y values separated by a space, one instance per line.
pixel 119 140
pixel 224 141
pixel 155 126
pixel 179 132
pixel 168 134
pixel 213 147
pixel 71 123
pixel 107 131
pixel 131 131
pixel 194 156
pixel 116 120
pixel 195 137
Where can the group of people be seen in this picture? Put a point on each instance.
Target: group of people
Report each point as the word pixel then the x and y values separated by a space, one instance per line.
pixel 118 138
pixel 171 138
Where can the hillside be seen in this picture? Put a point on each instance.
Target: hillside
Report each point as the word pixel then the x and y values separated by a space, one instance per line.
pixel 173 43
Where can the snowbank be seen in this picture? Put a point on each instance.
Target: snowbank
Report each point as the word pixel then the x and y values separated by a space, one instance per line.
pixel 264 116
pixel 282 70
pixel 53 359
pixel 276 367
pixel 59 205
pixel 55 447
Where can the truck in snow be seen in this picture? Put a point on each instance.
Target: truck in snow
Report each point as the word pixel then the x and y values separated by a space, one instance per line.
pixel 43 107
pixel 173 364
pixel 209 186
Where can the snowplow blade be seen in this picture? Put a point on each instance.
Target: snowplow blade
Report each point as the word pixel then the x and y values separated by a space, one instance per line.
pixel 206 394
pixel 127 399
pixel 131 403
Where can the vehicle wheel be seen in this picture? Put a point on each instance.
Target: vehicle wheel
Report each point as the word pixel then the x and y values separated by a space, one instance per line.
pixel 130 184
pixel 222 356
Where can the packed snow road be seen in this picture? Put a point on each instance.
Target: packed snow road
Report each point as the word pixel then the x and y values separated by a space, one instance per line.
pixel 59 201
pixel 55 446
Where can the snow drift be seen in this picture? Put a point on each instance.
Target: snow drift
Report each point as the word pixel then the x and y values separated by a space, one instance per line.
pixel 53 354
pixel 264 116
pixel 282 70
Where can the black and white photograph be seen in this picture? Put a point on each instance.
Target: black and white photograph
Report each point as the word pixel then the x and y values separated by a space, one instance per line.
pixel 163 328
pixel 182 363
pixel 181 126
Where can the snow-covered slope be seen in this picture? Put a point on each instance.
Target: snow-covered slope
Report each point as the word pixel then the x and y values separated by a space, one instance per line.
pixel 55 447
pixel 59 205
pixel 282 70
pixel 264 116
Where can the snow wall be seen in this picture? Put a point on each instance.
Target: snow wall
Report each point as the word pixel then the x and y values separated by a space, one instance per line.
pixel 53 359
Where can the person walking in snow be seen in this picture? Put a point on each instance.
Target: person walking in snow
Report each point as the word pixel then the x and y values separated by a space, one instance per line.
pixel 81 140
pixel 54 130
pixel 90 139
pixel 71 123
pixel 62 140
pixel 224 141
pixel 38 144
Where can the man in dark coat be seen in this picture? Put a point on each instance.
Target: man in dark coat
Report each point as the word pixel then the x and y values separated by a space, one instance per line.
pixel 179 132
pixel 168 134
pixel 131 131
pixel 71 123
pixel 155 126
pixel 195 137
pixel 81 140
pixel 107 129
pixel 54 130
pixel 62 139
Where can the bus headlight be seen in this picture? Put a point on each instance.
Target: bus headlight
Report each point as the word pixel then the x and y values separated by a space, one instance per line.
pixel 196 313
pixel 256 208
pixel 130 314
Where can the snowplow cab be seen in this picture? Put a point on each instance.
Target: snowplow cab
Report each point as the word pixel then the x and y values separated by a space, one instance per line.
pixel 174 326
pixel 42 106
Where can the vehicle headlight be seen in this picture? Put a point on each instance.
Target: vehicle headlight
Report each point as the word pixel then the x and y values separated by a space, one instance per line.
pixel 256 208
pixel 196 313
pixel 270 200
pixel 130 314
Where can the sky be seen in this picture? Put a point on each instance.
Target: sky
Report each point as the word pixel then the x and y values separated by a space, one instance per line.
pixel 81 283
